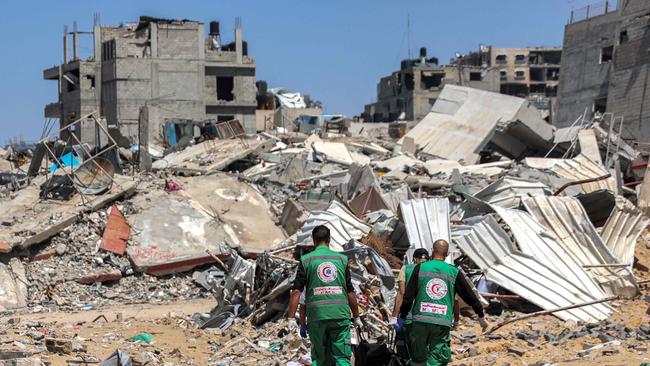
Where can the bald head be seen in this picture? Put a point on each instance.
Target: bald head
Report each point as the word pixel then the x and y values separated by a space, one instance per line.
pixel 440 249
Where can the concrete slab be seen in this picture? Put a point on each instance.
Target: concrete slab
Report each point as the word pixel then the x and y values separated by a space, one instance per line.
pixel 172 232
pixel 33 220
pixel 13 285
pixel 239 206
pixel 589 145
pixel 213 155
pixel 463 120
pixel 337 152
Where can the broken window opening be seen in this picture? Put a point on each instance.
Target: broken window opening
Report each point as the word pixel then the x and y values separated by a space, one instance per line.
pixel 518 90
pixel 501 59
pixel 431 80
pixel 475 76
pixel 408 81
pixel 432 101
pixel 622 37
pixel 503 74
pixel 91 79
pixel 606 54
pixel 537 74
pixel 225 118
pixel 520 59
pixel 600 105
pixel 551 90
pixel 553 74
pixel 520 75
pixel 538 88
pixel 225 86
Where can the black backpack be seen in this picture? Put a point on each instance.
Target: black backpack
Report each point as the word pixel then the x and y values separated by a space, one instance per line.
pixel 374 354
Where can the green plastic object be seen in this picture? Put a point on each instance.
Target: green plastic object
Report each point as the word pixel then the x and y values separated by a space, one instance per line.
pixel 143 337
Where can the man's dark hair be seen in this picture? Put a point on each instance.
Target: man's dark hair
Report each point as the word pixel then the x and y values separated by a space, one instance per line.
pixel 320 234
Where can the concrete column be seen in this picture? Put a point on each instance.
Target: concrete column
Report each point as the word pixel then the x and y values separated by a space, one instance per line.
pixel 153 29
pixel 239 46
pixel 143 140
pixel 65 44
pixel 75 46
pixel 97 45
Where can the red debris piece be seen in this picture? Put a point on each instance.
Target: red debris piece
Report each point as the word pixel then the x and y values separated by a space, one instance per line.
pixel 116 233
pixel 171 186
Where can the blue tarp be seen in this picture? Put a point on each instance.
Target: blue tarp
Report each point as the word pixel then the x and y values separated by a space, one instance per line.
pixel 68 159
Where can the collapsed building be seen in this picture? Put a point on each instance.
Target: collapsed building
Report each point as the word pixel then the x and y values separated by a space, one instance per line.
pixel 536 225
pixel 532 73
pixel 605 66
pixel 409 94
pixel 167 65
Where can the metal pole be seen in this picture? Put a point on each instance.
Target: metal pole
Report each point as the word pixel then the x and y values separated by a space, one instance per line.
pixel 609 138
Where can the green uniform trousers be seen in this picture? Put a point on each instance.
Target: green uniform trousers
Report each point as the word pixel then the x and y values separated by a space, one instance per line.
pixel 403 342
pixel 330 342
pixel 430 344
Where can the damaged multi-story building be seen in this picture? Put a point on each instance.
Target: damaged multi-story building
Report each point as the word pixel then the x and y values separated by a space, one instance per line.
pixel 167 65
pixel 606 66
pixel 532 73
pixel 410 92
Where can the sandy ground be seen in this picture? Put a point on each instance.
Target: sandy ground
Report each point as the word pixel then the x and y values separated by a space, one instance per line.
pixel 178 342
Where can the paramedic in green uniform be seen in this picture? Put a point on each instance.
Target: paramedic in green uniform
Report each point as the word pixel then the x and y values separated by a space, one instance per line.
pixel 429 298
pixel 329 299
pixel 420 255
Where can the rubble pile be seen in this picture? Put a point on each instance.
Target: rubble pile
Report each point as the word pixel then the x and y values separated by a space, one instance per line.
pixel 541 225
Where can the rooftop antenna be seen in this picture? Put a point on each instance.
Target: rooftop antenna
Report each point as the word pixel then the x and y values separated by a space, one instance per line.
pixel 408 34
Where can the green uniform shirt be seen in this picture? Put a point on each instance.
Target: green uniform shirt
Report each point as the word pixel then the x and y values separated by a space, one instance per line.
pixel 434 302
pixel 326 294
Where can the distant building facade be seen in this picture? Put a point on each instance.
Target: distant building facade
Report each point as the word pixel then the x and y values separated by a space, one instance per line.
pixel 410 92
pixel 530 73
pixel 165 63
pixel 606 66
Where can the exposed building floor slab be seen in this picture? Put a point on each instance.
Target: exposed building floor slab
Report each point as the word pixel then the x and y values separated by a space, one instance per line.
pixel 28 220
pixel 238 205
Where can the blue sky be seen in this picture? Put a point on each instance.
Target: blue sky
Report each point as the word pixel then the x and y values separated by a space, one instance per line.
pixel 334 50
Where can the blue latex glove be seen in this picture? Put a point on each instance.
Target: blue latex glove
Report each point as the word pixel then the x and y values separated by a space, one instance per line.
pixel 399 324
pixel 303 330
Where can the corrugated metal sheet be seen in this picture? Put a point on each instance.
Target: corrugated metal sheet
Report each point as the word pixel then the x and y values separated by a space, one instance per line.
pixel 623 228
pixel 490 247
pixel 508 191
pixel 426 220
pixel 534 240
pixel 343 225
pixel 578 168
pixel 567 220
